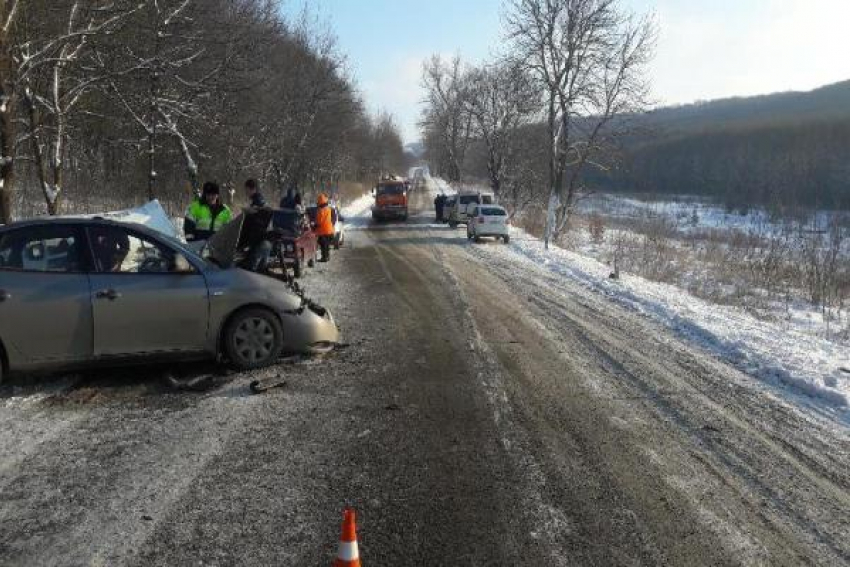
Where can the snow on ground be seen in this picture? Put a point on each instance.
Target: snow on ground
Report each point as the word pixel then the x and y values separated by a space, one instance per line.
pixel 358 207
pixel 692 213
pixel 789 356
pixel 786 356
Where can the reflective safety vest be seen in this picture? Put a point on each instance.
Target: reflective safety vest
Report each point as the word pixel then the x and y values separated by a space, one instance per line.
pixel 324 221
pixel 202 223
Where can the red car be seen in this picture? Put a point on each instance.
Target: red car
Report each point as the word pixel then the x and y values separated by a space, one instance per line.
pixel 294 241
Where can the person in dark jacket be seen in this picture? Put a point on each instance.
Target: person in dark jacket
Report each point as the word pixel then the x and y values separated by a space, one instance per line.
pixel 206 214
pixel 258 259
pixel 255 198
pixel 288 202
pixel 439 206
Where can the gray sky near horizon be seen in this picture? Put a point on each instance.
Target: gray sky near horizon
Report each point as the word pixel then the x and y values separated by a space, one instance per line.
pixel 707 49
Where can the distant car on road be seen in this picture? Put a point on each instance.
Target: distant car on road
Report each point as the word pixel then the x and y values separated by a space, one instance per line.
pixel 488 220
pixel 78 292
pixel 448 207
pixel 465 202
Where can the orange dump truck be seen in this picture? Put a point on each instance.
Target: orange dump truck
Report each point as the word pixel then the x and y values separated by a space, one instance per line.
pixel 390 200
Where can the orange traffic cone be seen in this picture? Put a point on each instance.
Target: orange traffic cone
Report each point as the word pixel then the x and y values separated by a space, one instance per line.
pixel 348 555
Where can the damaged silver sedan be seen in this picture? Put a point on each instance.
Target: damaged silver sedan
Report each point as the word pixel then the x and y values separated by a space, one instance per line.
pixel 74 292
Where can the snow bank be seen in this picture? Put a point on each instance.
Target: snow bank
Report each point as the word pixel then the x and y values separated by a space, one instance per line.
pixel 359 207
pixel 783 356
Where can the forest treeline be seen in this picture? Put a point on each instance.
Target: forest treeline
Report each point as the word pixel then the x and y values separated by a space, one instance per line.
pixel 782 151
pixel 106 103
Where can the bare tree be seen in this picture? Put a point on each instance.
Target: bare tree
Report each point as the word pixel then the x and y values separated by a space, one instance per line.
pixel 55 74
pixel 446 116
pixel 500 99
pixel 9 12
pixel 590 55
pixel 118 96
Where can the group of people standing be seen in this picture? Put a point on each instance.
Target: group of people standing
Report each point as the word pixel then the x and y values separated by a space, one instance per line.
pixel 207 214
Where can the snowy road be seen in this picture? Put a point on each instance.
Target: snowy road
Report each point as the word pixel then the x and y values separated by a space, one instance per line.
pixel 487 412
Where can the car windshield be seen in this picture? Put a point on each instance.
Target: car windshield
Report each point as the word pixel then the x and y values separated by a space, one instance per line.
pixel 493 212
pixel 390 189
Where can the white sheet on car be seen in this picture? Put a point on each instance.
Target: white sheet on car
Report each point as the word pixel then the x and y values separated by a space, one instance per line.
pixel 151 215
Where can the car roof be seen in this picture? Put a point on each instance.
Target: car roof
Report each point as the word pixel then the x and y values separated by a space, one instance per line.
pixel 84 221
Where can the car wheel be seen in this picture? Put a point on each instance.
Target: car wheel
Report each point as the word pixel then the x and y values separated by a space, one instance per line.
pixel 337 241
pixel 311 263
pixel 507 239
pixel 452 224
pixel 298 267
pixel 477 239
pixel 253 339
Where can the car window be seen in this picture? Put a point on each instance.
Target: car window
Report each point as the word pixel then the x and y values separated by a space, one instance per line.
pixel 122 252
pixel 468 199
pixel 42 249
pixel 487 199
pixel 493 212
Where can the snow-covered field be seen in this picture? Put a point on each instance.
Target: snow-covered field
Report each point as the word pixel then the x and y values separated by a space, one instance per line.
pixel 791 354
pixel 689 213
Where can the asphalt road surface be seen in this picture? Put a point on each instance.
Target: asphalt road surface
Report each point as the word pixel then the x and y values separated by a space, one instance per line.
pixel 485 412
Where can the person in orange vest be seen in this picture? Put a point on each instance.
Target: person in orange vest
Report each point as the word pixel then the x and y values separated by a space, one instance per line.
pixel 324 227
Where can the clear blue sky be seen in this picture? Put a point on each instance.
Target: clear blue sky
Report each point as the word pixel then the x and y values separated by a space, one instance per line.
pixel 707 48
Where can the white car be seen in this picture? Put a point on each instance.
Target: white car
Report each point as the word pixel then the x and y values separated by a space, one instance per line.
pixel 488 220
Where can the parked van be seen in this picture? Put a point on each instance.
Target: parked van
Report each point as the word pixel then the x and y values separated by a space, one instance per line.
pixel 465 203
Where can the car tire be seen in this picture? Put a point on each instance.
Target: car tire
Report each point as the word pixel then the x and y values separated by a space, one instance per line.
pixel 337 242
pixel 253 338
pixel 507 240
pixel 311 263
pixel 298 267
pixel 452 224
pixel 477 239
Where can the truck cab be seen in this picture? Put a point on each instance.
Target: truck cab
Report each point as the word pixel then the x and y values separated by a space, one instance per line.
pixel 390 200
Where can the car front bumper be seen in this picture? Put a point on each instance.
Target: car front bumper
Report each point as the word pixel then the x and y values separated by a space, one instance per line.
pixel 309 330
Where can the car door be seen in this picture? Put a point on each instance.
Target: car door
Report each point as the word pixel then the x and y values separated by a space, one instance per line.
pixel 146 297
pixel 45 299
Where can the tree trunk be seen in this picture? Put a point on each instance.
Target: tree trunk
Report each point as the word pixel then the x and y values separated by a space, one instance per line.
pixel 7 153
pixel 7 131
